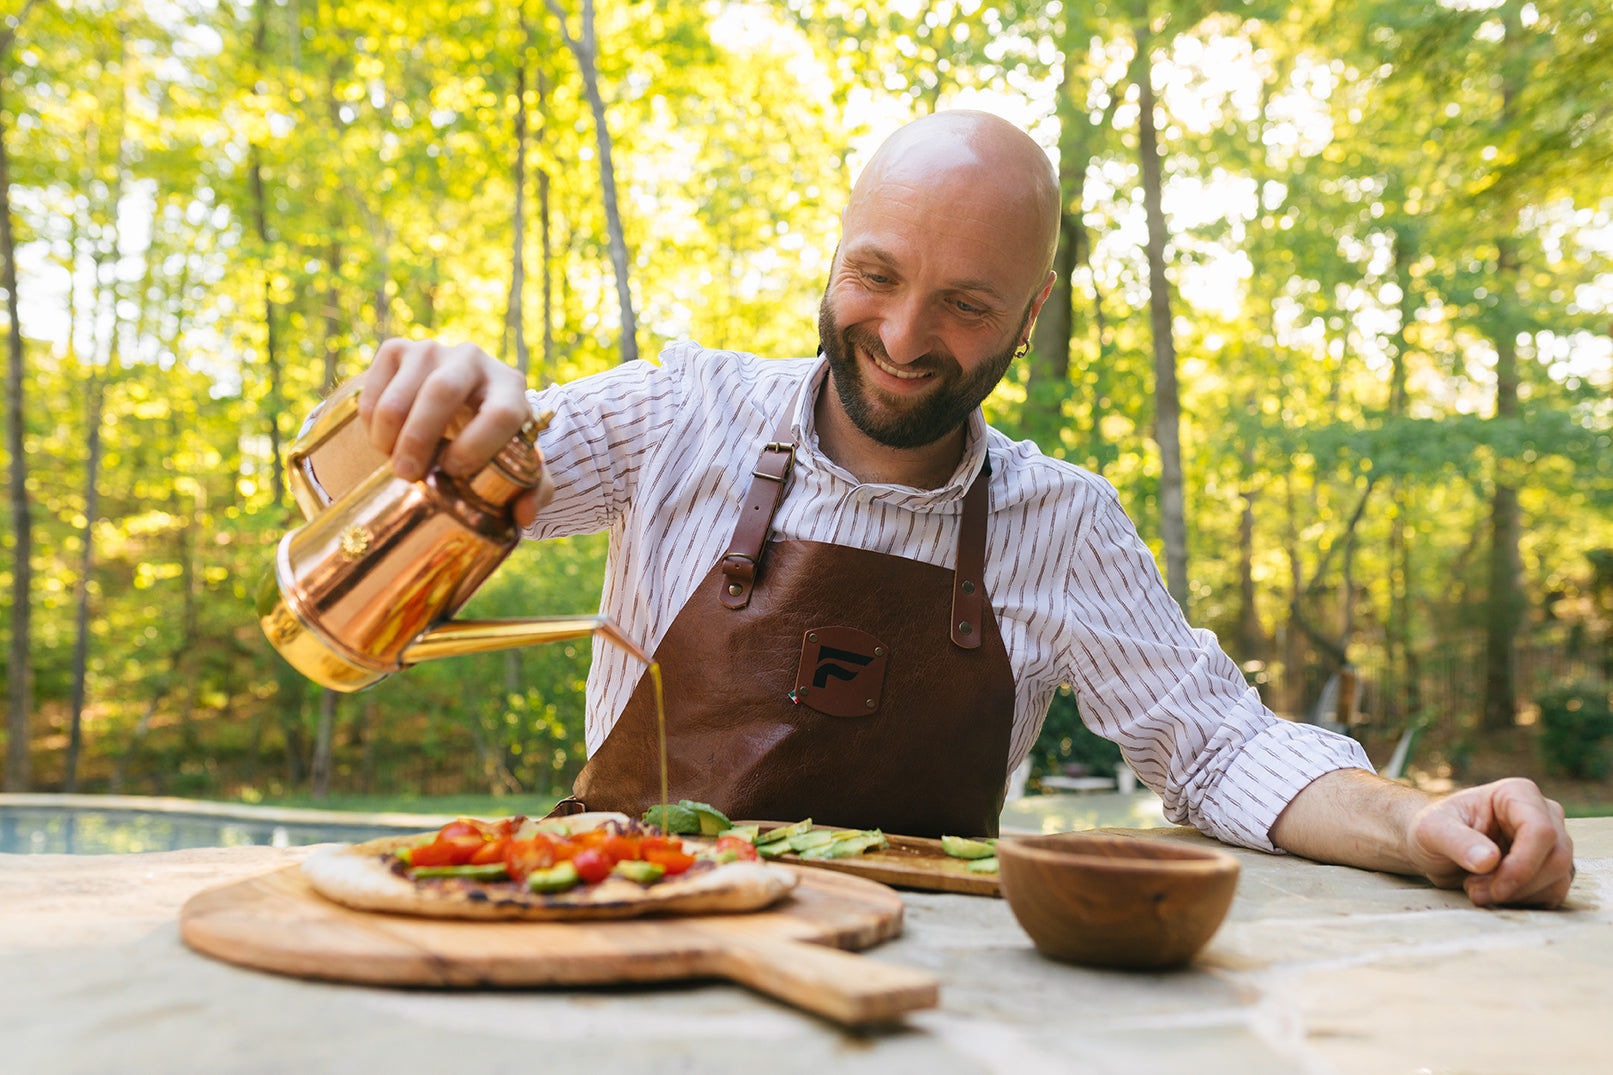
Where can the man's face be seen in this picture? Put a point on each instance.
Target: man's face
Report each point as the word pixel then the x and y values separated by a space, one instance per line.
pixel 935 282
pixel 908 418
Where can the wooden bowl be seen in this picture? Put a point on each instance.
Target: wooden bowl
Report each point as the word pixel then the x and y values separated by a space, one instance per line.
pixel 1116 901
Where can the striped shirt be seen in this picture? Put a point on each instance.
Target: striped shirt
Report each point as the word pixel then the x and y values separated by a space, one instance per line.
pixel 661 457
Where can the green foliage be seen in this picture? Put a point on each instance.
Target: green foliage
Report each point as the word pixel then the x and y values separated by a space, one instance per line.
pixel 1576 729
pixel 1065 741
pixel 228 205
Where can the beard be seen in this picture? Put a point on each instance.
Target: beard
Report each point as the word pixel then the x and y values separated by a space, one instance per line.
pixel 908 423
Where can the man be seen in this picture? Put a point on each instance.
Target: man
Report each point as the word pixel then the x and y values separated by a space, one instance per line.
pixel 863 597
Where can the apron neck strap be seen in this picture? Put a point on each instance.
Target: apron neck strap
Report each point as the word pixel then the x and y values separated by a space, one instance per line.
pixel 768 479
pixel 772 474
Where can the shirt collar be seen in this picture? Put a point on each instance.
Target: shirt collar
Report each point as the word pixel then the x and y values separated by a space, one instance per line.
pixel 804 429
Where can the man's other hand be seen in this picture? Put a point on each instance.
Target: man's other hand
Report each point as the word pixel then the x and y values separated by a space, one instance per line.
pixel 1504 843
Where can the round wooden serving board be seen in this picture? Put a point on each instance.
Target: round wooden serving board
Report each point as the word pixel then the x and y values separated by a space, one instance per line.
pixel 790 951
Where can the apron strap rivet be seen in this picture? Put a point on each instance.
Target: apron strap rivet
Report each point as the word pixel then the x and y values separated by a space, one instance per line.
pixel 964 628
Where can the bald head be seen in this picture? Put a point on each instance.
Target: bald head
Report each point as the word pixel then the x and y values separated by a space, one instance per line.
pixel 981 156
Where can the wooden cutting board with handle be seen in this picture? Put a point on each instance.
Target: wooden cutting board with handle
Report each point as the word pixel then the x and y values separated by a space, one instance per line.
pixel 791 951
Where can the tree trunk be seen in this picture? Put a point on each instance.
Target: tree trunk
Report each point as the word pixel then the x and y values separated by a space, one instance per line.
pixel 1167 405
pixel 584 49
pixel 86 567
pixel 1404 670
pixel 514 323
pixel 96 402
pixel 19 670
pixel 1504 615
pixel 1251 636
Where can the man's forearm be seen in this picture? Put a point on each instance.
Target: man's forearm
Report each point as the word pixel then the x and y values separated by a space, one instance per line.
pixel 1353 818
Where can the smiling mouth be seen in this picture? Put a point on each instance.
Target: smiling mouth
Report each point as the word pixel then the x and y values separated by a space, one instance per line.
pixel 895 371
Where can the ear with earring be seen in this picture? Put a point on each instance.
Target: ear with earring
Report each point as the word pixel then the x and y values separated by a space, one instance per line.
pixel 1024 348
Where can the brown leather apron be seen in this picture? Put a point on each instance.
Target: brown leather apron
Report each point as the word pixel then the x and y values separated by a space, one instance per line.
pixel 852 687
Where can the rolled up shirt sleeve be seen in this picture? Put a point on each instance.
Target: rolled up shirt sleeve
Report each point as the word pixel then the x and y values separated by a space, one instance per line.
pixel 1188 724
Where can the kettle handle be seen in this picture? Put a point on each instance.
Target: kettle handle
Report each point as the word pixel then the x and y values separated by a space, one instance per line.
pixel 332 416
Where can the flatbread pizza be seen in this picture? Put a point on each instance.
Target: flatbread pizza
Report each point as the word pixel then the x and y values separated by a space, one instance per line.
pixel 588 866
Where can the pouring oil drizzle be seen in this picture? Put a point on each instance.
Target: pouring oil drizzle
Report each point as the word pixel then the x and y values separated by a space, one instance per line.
pixel 660 727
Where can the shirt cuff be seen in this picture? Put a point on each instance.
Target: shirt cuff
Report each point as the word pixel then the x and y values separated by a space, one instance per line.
pixel 1272 768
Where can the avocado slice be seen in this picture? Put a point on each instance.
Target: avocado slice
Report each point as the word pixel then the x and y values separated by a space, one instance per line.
pixel 557 878
pixel 712 821
pixel 784 832
pixel 962 848
pixel 484 871
pixel 983 865
pixel 856 844
pixel 674 819
pixel 810 839
pixel 645 873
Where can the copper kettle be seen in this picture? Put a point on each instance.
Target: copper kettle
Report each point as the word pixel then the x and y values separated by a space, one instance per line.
pixel 370 583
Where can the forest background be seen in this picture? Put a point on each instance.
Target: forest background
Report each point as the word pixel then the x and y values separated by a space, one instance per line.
pixel 1332 315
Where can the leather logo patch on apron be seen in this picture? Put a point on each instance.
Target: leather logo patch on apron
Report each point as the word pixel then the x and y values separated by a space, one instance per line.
pixel 842 672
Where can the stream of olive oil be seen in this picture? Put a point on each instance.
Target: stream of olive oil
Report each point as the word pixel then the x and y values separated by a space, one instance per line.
pixel 660 727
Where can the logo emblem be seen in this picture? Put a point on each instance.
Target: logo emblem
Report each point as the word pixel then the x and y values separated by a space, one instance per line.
pixel 842 672
pixel 354 542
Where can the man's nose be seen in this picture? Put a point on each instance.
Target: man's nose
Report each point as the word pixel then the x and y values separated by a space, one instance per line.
pixel 907 331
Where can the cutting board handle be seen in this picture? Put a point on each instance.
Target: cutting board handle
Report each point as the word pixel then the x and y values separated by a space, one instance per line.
pixel 850 989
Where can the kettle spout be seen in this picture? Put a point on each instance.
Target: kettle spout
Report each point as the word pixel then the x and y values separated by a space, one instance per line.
pixel 457 638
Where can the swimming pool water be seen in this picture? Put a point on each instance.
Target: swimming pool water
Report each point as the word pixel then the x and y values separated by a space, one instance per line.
pixel 80 830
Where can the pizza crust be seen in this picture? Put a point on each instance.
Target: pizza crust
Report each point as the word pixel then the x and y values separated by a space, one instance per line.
pixel 359 876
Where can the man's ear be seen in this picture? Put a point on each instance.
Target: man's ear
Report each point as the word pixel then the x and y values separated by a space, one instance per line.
pixel 1041 297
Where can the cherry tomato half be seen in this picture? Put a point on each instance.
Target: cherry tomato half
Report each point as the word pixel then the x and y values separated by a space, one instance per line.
pixel 741 848
pixel 592 864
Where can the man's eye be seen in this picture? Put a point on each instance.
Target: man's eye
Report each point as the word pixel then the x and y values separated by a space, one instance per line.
pixel 969 308
pixel 876 278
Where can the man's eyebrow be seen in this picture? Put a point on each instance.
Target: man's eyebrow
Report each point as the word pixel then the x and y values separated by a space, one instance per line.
pixel 872 251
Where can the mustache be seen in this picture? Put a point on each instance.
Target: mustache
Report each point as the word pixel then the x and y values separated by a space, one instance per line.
pixel 864 340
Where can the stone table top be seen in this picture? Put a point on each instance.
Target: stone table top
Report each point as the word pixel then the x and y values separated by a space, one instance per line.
pixel 1318 969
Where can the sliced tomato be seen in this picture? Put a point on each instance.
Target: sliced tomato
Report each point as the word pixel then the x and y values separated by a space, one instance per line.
pixel 436 853
pixel 522 857
pixel 620 848
pixel 464 847
pixel 490 851
pixel 592 864
pixel 674 860
pixel 663 843
pixel 465 826
pixel 741 848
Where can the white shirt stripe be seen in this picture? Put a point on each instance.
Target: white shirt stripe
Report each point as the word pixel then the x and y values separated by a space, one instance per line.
pixel 661 457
